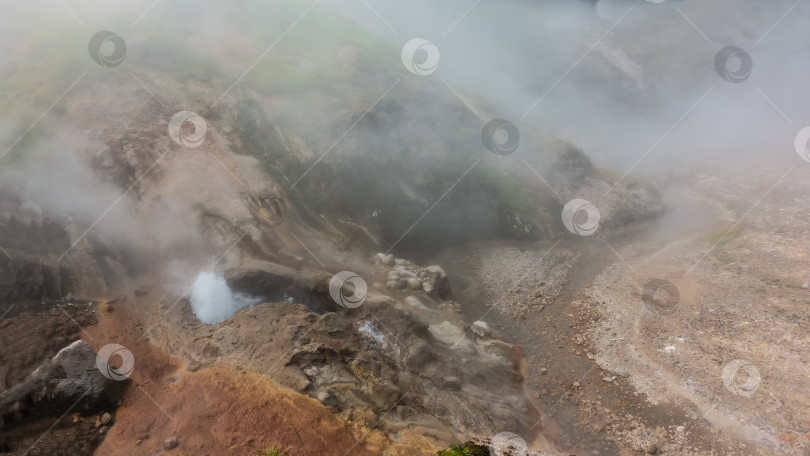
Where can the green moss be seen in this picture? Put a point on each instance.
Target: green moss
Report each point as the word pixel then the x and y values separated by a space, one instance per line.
pixel 510 191
pixel 272 450
pixel 465 449
pixel 303 60
pixel 40 69
pixel 629 181
pixel 721 239
pixel 571 159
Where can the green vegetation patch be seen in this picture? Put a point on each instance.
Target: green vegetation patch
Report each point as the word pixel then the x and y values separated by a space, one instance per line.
pixel 465 449
pixel 721 239
pixel 629 181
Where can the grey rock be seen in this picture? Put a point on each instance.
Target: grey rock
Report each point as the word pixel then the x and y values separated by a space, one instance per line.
pixel 655 447
pixel 481 329
pixel 413 301
pixel 69 379
pixel 406 274
pixel 414 284
pixel 323 396
pixel 434 281
pixel 451 383
pixel 171 443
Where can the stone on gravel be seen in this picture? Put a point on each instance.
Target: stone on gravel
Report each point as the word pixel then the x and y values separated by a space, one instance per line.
pixel 171 442
pixel 481 329
pixel 655 447
pixel 451 383
pixel 449 334
pixel 413 301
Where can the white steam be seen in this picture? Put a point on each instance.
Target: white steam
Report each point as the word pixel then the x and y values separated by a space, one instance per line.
pixel 213 301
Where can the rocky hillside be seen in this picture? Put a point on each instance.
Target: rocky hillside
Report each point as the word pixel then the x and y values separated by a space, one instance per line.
pixel 307 166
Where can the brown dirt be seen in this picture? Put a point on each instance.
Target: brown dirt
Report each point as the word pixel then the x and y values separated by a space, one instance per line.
pixel 73 435
pixel 217 409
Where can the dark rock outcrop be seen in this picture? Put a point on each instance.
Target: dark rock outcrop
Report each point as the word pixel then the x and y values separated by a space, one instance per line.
pixel 70 381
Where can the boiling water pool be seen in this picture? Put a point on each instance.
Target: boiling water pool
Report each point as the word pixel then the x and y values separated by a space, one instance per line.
pixel 213 301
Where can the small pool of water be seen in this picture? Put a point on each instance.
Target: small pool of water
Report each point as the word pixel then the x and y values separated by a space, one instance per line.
pixel 213 301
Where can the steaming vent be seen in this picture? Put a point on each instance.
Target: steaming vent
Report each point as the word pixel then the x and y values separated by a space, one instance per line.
pixel 213 301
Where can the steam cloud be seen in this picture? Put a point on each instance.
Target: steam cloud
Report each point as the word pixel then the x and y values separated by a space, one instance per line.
pixel 213 301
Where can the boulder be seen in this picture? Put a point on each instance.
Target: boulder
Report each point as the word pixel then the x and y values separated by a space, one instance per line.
pixel 434 281
pixel 481 329
pixel 68 381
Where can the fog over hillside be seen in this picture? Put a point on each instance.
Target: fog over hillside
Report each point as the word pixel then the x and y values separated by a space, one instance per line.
pixel 376 227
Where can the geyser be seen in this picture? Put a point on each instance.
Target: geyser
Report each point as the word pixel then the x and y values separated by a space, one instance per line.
pixel 213 301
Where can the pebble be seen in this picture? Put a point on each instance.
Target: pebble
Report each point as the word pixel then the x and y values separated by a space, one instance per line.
pixel 481 328
pixel 171 442
pixel 655 447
